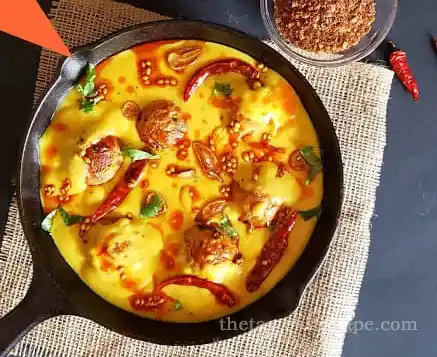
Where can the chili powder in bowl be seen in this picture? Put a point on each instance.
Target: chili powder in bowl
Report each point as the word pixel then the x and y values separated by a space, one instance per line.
pixel 331 32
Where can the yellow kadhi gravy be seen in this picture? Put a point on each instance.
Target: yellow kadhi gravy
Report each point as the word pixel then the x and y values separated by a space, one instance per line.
pixel 182 180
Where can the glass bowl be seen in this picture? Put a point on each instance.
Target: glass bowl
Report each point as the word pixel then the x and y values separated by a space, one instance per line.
pixel 385 16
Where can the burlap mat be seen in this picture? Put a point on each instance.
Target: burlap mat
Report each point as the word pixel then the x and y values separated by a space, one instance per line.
pixel 356 98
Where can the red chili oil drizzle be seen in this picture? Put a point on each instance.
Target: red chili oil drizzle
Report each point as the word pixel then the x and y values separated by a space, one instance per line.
pixel 307 191
pixel 128 284
pixel 51 152
pixel 144 183
pixel 176 220
pixel 174 248
pixel 60 126
pixel 167 261
pixel 106 265
pixel 194 194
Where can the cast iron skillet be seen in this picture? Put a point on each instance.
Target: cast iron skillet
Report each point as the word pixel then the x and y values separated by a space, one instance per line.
pixel 56 289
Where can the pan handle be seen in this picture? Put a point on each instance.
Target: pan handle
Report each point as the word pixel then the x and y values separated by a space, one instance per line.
pixel 42 301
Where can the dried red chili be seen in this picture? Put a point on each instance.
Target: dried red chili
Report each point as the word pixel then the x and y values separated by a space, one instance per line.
pixel 116 196
pixel 120 191
pixel 273 249
pixel 399 63
pixel 220 67
pixel 157 299
pixel 223 295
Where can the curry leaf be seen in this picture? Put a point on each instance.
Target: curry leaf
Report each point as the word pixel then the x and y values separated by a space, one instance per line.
pixel 310 156
pixel 313 212
pixel 88 88
pixel 87 104
pixel 87 91
pixel 135 154
pixel 79 88
pixel 313 161
pixel 69 220
pixel 46 223
pixel 152 208
pixel 314 170
pixel 222 88
pixel 226 226
pixel 178 305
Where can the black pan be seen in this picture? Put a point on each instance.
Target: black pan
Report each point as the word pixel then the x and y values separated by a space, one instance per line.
pixel 57 290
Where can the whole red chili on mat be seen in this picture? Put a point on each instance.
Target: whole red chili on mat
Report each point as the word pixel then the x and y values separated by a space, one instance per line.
pixel 399 63
pixel 220 67
pixel 273 249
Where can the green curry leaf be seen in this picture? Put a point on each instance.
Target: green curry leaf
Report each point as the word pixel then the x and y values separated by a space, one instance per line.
pixel 136 154
pixel 313 212
pixel 314 162
pixel 178 305
pixel 222 88
pixel 152 208
pixel 226 226
pixel 87 104
pixel 87 90
pixel 69 220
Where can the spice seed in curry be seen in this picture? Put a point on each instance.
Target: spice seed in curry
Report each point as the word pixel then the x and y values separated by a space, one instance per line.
pixel 49 190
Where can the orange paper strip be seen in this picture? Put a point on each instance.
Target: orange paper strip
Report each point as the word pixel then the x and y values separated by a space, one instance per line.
pixel 26 20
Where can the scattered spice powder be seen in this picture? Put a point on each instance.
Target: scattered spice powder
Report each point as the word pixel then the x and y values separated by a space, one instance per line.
pixel 328 26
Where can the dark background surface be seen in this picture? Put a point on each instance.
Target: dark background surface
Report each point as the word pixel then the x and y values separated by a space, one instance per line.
pixel 400 282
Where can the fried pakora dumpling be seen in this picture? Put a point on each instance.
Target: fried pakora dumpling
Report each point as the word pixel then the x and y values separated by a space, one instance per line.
pixel 131 246
pixel 261 198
